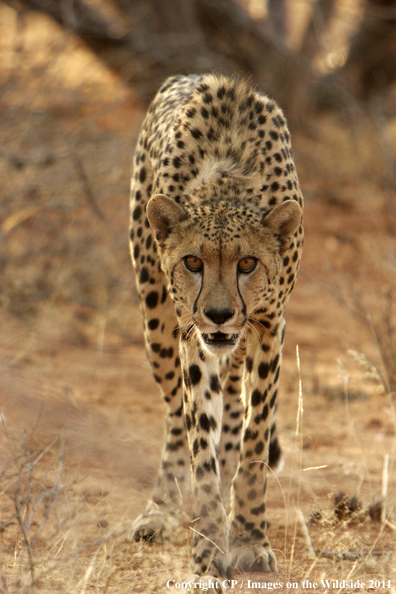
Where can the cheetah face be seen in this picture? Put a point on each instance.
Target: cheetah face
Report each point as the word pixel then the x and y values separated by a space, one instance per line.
pixel 220 268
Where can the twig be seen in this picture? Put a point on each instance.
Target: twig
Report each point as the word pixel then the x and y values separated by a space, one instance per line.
pixel 300 410
pixel 87 189
pixel 4 590
pixel 207 538
pixel 95 543
pixel 23 525
pixel 89 571
pixel 384 489
pixel 304 528
pixel 391 526
pixel 344 555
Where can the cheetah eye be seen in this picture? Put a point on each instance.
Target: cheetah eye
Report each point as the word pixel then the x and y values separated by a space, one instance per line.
pixel 193 264
pixel 247 265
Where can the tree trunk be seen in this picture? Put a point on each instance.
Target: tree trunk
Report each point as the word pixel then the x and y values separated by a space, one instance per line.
pixel 182 36
pixel 322 11
pixel 371 65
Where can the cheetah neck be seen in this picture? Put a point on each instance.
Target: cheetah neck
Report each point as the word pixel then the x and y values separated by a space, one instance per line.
pixel 213 169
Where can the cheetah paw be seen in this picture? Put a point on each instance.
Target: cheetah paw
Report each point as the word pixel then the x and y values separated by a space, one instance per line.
pixel 205 583
pixel 254 558
pixel 154 525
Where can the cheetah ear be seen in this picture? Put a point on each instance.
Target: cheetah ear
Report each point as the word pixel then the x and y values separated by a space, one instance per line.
pixel 164 214
pixel 284 221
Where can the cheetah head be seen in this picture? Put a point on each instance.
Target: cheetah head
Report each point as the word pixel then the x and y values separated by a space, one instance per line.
pixel 222 262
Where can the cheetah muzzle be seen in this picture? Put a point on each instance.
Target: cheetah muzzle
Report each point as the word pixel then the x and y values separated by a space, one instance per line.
pixel 216 240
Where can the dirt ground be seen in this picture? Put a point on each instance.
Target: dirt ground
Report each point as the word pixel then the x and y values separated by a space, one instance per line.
pixel 82 419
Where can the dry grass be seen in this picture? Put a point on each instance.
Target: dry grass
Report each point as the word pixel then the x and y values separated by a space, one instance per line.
pixel 46 545
pixel 43 516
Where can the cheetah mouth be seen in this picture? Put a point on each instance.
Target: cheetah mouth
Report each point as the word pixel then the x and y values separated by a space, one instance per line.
pixel 219 338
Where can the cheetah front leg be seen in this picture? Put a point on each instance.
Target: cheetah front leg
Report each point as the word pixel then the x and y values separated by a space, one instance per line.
pixel 231 372
pixel 203 405
pixel 250 547
pixel 164 512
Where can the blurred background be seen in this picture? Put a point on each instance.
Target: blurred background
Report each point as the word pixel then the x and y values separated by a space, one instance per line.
pixel 76 78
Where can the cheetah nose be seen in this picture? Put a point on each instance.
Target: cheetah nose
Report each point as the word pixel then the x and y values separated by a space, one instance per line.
pixel 219 316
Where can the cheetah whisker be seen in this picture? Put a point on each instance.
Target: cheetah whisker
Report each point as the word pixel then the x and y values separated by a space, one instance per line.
pixel 192 330
pixel 187 326
pixel 250 325
pixel 258 322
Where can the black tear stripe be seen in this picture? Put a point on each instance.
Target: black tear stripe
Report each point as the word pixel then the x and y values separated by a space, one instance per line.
pixel 195 307
pixel 244 308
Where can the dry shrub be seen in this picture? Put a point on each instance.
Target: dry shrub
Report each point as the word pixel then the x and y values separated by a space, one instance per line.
pixel 370 297
pixel 43 520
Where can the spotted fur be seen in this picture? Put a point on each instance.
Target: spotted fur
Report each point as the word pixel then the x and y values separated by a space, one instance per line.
pixel 214 180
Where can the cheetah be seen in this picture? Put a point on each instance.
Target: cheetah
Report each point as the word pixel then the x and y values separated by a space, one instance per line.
pixel 216 239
